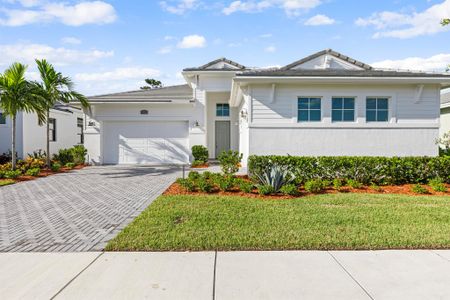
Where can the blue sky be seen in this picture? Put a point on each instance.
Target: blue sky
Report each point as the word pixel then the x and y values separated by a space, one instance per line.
pixel 108 46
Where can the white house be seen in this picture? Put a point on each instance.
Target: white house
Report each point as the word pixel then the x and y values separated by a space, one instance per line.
pixel 324 104
pixel 66 124
pixel 445 113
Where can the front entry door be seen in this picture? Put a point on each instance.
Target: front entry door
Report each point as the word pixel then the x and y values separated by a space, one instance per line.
pixel 222 136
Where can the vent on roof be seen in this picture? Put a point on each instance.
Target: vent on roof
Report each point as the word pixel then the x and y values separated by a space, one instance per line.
pixel 144 112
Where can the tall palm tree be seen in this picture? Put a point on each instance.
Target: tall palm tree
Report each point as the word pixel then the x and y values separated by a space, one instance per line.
pixel 56 88
pixel 17 94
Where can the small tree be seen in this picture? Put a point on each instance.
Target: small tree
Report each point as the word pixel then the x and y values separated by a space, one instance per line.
pixel 152 84
pixel 444 141
pixel 17 94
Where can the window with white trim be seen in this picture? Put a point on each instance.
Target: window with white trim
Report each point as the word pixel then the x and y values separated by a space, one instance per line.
pixel 377 109
pixel 2 119
pixel 222 110
pixel 309 109
pixel 343 109
pixel 52 125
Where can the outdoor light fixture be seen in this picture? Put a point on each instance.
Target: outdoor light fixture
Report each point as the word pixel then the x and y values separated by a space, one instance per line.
pixel 196 124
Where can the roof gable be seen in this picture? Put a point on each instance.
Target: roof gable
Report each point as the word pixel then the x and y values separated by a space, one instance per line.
pixel 327 59
pixel 222 64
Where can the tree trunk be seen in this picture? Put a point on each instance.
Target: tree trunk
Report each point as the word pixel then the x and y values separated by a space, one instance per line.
pixel 48 138
pixel 13 143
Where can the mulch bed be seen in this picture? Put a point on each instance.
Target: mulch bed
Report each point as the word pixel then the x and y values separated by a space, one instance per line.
pixel 203 166
pixel 176 189
pixel 45 173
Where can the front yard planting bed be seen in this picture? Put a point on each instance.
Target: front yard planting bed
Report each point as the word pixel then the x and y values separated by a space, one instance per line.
pixel 314 222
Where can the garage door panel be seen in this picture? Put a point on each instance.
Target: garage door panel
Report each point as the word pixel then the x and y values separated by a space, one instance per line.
pixel 145 142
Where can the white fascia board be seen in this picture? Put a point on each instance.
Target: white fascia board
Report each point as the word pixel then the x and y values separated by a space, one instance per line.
pixel 443 81
pixel 445 105
pixel 144 102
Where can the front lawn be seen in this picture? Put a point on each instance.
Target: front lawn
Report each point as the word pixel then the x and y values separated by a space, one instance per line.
pixel 329 221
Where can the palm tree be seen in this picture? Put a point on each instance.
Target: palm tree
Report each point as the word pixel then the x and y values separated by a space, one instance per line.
pixel 17 94
pixel 56 88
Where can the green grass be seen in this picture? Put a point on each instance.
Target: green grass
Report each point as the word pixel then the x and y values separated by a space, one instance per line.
pixel 4 182
pixel 330 221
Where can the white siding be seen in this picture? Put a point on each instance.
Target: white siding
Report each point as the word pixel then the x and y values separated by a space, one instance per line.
pixel 445 121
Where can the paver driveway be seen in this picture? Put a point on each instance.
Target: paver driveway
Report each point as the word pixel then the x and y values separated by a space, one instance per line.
pixel 77 211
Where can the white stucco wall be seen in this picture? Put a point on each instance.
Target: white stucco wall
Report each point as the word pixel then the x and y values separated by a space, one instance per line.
pixel 6 134
pixel 445 121
pixel 411 130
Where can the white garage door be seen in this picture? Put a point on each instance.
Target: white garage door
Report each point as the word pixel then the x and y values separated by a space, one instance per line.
pixel 145 142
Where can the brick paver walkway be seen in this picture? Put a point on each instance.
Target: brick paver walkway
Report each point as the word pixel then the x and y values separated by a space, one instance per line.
pixel 77 211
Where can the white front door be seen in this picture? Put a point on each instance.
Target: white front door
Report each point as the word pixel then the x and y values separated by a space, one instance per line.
pixel 158 142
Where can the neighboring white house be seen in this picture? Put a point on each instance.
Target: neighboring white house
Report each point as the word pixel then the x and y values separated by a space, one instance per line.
pixel 66 124
pixel 445 113
pixel 325 104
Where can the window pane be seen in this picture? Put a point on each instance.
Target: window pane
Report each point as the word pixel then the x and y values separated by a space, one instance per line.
pixel 303 103
pixel 382 115
pixel 303 115
pixel 371 116
pixel 371 103
pixel 349 103
pixel 337 103
pixel 315 103
pixel 349 115
pixel 336 115
pixel 226 112
pixel 314 115
pixel 218 111
pixel 382 103
pixel 2 119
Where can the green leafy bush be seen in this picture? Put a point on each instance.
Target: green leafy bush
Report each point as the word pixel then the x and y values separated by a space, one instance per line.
pixel 33 172
pixel 194 176
pixel 186 184
pixel 205 185
pixel 225 182
pixel 265 189
pixel 12 174
pixel 230 161
pixel 366 170
pixel 354 184
pixel 56 167
pixel 275 175
pixel 79 153
pixel 419 189
pixel 70 165
pixel 289 189
pixel 200 154
pixel 338 183
pixel 376 187
pixel 64 156
pixel 315 186
pixel 437 185
pixel 197 163
pixel 245 186
pixel 2 174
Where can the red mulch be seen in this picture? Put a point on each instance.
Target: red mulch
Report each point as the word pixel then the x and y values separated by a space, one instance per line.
pixel 200 166
pixel 176 189
pixel 47 172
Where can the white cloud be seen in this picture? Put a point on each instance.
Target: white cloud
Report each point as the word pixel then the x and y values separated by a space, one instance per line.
pixel 192 41
pixel 437 62
pixel 270 49
pixel 403 26
pixel 319 20
pixel 138 73
pixel 165 50
pixel 291 7
pixel 265 35
pixel 26 53
pixel 89 12
pixel 179 7
pixel 71 40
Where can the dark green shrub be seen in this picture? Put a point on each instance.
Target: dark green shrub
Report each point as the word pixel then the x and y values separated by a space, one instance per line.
pixel 230 161
pixel 64 156
pixel 197 163
pixel 70 165
pixel 338 183
pixel 225 182
pixel 289 189
pixel 246 186
pixel 186 184
pixel 366 170
pixel 79 153
pixel 437 185
pixel 419 189
pixel 205 186
pixel 314 186
pixel 200 154
pixel 33 172
pixel 55 167
pixel 354 184
pixel 265 190
pixel 194 176
pixel 12 174
pixel 2 174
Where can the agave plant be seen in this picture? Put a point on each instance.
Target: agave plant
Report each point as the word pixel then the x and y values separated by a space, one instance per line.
pixel 276 176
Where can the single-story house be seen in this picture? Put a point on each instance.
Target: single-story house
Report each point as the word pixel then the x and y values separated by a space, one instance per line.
pixel 325 104
pixel 66 130
pixel 445 112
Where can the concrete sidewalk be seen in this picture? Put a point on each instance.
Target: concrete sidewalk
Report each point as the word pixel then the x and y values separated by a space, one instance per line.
pixel 227 275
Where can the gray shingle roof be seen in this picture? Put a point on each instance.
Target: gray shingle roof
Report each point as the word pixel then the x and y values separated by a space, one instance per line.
pixel 337 73
pixel 165 94
pixel 331 52
pixel 206 67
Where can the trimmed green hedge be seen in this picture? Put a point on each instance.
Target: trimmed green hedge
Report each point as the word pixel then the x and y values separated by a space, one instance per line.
pixel 378 170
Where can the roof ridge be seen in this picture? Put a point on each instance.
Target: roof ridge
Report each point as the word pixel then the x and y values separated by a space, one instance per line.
pixel 140 90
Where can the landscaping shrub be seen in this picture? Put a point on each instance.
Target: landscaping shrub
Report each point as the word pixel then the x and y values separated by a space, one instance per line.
pixel 225 182
pixel 12 174
pixel 197 163
pixel 2 174
pixel 289 189
pixel 38 154
pixel 437 185
pixel 200 154
pixel 70 165
pixel 33 172
pixel 6 157
pixel 64 156
pixel 315 186
pixel 366 170
pixel 205 185
pixel 6 182
pixel 230 161
pixel 55 167
pixel 194 176
pixel 245 186
pixel 419 189
pixel 79 153
pixel 338 183
pixel 354 184
pixel 265 189
pixel 376 187
pixel 186 184
pixel 275 175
